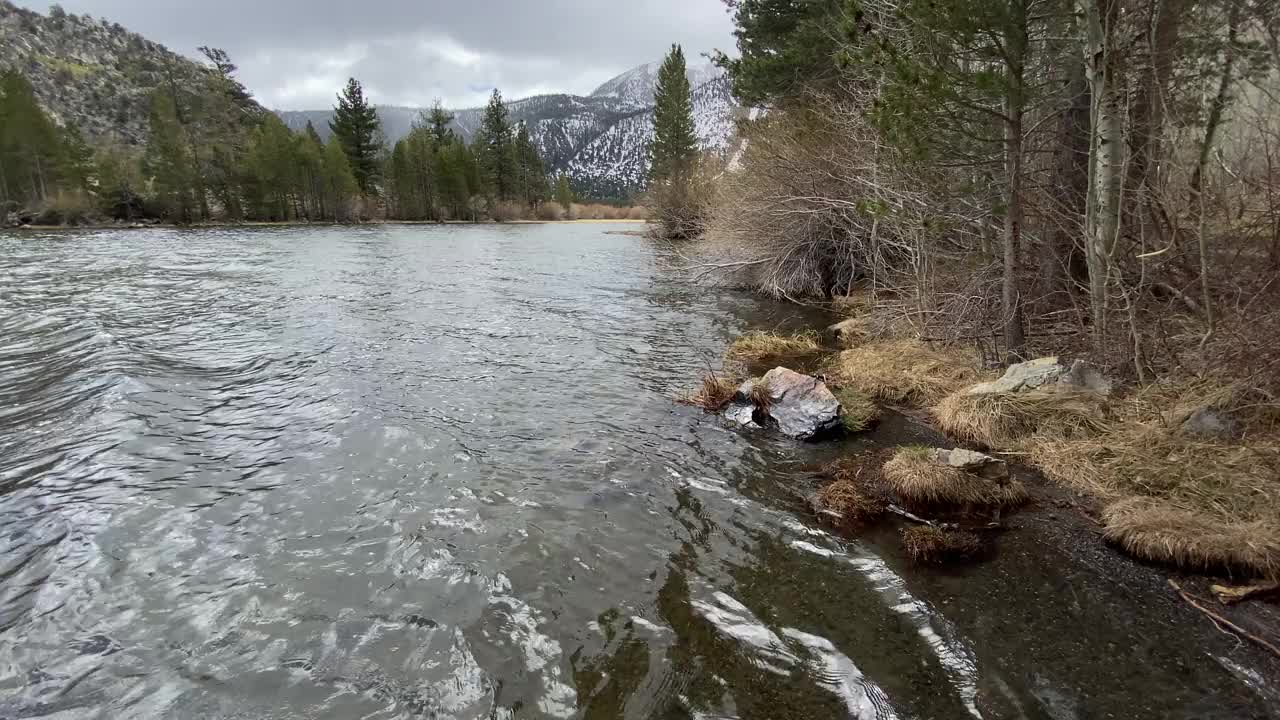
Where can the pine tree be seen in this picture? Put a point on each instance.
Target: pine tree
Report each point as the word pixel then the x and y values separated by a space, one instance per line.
pixel 168 161
pixel 494 151
pixel 438 120
pixel 785 48
pixel 30 151
pixel 564 195
pixel 530 172
pixel 355 123
pixel 679 201
pixel 675 142
pixel 338 182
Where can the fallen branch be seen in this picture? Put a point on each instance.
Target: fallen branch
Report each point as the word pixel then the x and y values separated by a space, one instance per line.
pixel 1223 622
pixel 1229 595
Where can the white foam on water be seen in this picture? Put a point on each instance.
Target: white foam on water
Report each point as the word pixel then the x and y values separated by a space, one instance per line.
pixel 734 619
pixel 541 653
pixel 864 699
pixel 956 660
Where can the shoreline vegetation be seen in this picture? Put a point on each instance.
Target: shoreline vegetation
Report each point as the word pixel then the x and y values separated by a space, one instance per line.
pixel 1189 498
pixel 1053 237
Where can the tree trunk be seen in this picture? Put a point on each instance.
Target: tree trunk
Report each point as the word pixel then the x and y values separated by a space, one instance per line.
pixel 1148 112
pixel 1106 158
pixel 1219 105
pixel 1065 267
pixel 1015 340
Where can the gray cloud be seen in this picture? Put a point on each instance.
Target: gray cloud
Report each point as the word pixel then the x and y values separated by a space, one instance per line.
pixel 296 54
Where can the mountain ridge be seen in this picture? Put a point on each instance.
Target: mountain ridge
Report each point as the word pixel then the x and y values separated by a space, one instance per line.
pixel 599 140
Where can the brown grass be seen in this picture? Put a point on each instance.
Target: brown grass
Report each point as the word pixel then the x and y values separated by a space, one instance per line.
pixel 1189 501
pixel 760 352
pixel 760 396
pixel 931 545
pixel 906 371
pixel 716 392
pixel 1160 532
pixel 999 419
pixel 918 480
pixel 855 504
pixel 857 411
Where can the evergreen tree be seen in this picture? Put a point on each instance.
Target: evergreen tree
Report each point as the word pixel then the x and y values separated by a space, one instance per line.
pixel 564 195
pixel 77 161
pixel 675 142
pixel 680 202
pixel 168 162
pixel 338 182
pixel 31 153
pixel 785 48
pixel 495 151
pixel 438 120
pixel 120 184
pixel 355 123
pixel 530 173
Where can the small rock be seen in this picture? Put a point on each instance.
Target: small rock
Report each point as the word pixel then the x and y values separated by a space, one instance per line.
pixel 1046 372
pixel 800 405
pixel 1210 423
pixel 742 413
pixel 976 463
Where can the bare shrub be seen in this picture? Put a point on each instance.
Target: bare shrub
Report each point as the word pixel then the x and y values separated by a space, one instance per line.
pixel 507 211
pixel 681 204
pixel 550 212
pixel 815 202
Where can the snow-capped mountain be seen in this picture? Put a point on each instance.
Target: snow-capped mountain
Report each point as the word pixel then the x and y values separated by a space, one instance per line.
pixel 600 140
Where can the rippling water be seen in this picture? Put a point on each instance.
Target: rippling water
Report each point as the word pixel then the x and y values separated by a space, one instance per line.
pixel 407 472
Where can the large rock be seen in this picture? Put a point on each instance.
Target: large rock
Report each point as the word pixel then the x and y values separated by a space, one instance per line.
pixel 1049 373
pixel 800 406
pixel 972 462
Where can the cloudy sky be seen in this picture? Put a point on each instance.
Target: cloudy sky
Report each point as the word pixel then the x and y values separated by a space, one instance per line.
pixel 296 54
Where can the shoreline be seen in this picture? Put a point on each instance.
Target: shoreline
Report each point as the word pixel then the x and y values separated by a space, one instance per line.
pixel 294 223
pixel 1064 517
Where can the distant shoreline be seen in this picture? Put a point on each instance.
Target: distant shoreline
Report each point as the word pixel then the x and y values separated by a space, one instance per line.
pixel 294 223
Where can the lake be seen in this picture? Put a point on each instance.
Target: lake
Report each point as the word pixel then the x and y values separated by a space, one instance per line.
pixel 438 472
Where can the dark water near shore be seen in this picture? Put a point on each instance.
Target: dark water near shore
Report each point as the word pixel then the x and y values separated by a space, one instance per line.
pixel 408 472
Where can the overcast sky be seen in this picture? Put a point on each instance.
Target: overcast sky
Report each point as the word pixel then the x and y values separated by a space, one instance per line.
pixel 296 54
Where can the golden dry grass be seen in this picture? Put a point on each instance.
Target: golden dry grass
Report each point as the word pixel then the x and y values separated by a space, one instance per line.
pixel 1193 502
pixel 857 411
pixel 855 504
pixel 918 480
pixel 715 392
pixel 906 371
pixel 1000 419
pixel 931 545
pixel 759 352
pixel 1157 531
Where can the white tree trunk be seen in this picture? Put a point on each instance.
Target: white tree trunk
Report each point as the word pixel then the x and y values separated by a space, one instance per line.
pixel 1106 157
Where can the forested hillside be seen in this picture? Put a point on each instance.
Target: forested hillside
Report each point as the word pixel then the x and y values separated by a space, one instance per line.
pixel 93 73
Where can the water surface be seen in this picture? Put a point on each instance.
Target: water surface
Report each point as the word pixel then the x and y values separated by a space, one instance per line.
pixel 419 472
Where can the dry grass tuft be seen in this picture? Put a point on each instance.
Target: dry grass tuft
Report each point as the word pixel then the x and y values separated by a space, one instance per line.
pixel 999 419
pixel 918 480
pixel 857 411
pixel 714 394
pixel 1159 532
pixel 906 371
pixel 855 504
pixel 760 396
pixel 760 352
pixel 931 545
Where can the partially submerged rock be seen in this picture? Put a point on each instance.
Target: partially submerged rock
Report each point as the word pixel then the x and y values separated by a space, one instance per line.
pixel 1046 372
pixel 800 406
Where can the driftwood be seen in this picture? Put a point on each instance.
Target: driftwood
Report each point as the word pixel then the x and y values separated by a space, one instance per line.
pixel 1223 623
pixel 1230 595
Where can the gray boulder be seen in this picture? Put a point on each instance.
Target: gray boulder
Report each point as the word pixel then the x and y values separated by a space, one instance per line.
pixel 800 406
pixel 976 463
pixel 1047 373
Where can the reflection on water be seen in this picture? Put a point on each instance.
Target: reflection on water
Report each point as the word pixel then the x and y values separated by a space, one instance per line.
pixel 407 472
